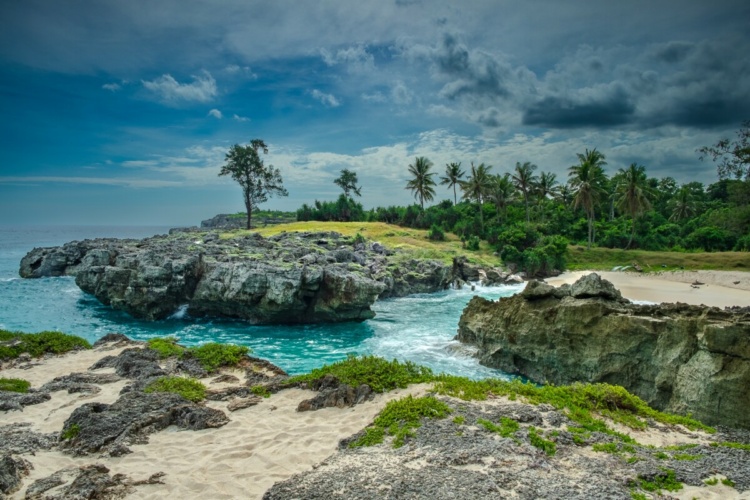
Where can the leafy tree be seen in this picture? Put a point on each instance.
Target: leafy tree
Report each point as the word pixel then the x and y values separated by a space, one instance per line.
pixel 453 176
pixel 633 194
pixel 421 184
pixel 348 182
pixel 546 186
pixel 587 180
pixel 258 182
pixel 501 192
pixel 477 186
pixel 683 204
pixel 525 180
pixel 733 157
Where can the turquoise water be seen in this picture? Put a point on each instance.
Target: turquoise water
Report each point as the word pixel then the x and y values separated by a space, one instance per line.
pixel 419 328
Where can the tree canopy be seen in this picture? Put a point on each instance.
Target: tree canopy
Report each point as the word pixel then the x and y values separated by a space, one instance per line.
pixel 421 183
pixel 245 165
pixel 348 182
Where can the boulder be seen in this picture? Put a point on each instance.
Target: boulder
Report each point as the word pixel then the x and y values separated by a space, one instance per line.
pixel 678 358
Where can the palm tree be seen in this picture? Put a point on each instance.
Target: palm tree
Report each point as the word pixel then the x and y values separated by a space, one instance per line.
pixel 477 186
pixel 633 194
pixel 546 186
pixel 500 192
pixel 683 204
pixel 453 175
pixel 421 184
pixel 525 180
pixel 587 180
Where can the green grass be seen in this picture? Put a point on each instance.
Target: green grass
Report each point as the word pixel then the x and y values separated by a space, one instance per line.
pixel 547 446
pixel 211 356
pixel 414 242
pixel 400 418
pixel 459 419
pixel 190 389
pixel 711 482
pixel 381 375
pixel 70 432
pixel 507 426
pixel 214 355
pixel 581 402
pixel 664 481
pixel 165 346
pixel 14 385
pixel 685 456
pixel 607 258
pixel 38 344
pixel 736 446
pixel 261 391
pixel 727 482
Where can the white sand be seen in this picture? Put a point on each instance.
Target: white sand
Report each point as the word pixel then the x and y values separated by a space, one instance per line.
pixel 260 445
pixel 718 289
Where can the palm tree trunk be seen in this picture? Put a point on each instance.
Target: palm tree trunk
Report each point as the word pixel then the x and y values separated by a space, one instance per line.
pixel 526 198
pixel 632 235
pixel 455 200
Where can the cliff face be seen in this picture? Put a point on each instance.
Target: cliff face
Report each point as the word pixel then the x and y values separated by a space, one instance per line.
pixel 678 358
pixel 287 278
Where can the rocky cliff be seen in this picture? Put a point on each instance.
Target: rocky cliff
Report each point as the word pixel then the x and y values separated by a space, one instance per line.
pixel 287 278
pixel 679 358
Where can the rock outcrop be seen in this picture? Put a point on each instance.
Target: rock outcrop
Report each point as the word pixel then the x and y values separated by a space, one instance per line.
pixel 678 358
pixel 287 278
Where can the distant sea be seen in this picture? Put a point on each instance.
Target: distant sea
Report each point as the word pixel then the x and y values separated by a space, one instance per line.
pixel 418 328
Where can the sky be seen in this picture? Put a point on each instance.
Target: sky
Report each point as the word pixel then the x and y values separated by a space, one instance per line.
pixel 121 112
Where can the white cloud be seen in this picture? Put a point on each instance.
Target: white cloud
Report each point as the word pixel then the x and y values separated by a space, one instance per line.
pixel 327 99
pixel 112 87
pixel 375 97
pixel 355 58
pixel 101 181
pixel 202 89
pixel 215 113
pixel 240 118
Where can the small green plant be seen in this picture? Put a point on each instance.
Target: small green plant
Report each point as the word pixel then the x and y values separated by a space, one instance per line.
pixel 214 355
pixel 538 441
pixel 632 460
pixel 680 447
pixel 359 239
pixel 71 432
pixel 507 426
pixel 472 243
pixel 664 481
pixel 606 448
pixel 685 456
pixel 260 390
pixel 436 233
pixel 712 481
pixel 14 385
pixel 638 496
pixel 661 455
pixel 736 446
pixel 379 374
pixel 190 389
pixel 459 419
pixel 727 482
pixel 165 346
pixel 37 344
pixel 399 418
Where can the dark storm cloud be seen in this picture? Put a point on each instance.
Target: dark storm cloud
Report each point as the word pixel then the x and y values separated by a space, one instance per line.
pixel 613 108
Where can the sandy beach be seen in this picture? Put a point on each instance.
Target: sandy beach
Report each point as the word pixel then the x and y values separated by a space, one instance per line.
pixel 717 288
pixel 260 445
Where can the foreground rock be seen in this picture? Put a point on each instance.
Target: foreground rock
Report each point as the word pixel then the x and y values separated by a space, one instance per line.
pixel 287 278
pixel 457 457
pixel 678 358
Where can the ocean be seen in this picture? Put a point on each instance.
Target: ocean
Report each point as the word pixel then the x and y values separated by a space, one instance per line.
pixel 418 328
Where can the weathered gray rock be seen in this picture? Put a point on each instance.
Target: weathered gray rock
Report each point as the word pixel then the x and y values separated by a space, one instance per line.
pixel 242 403
pixel 12 471
pixel 18 438
pixel 107 428
pixel 678 358
pixel 14 401
pixel 133 363
pixel 88 481
pixel 332 393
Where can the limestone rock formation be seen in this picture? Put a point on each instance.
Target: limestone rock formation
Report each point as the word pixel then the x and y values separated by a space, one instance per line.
pixel 678 358
pixel 287 278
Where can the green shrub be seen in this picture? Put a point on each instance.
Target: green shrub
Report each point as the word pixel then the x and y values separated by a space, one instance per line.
pixel 507 426
pixel 261 391
pixel 70 432
pixel 165 346
pixel 711 482
pixel 664 481
pixel 14 385
pixel 547 446
pixel 436 233
pixel 727 482
pixel 214 355
pixel 37 344
pixel 399 418
pixel 379 374
pixel 472 243
pixel 190 389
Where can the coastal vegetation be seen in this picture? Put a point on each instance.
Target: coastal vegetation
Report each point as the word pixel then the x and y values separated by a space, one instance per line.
pixel 519 213
pixel 190 389
pixel 211 355
pixel 13 344
pixel 14 385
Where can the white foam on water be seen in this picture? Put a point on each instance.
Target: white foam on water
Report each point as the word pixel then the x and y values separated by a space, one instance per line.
pixel 180 313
